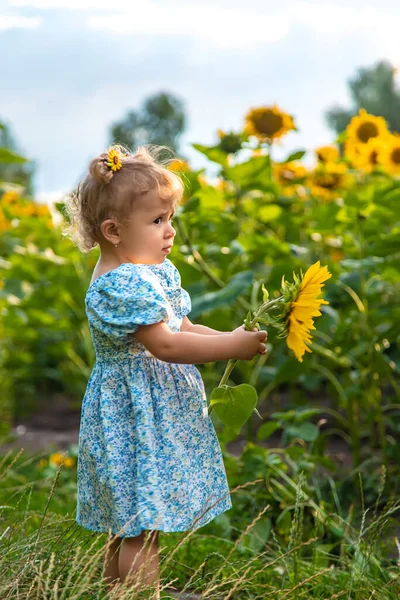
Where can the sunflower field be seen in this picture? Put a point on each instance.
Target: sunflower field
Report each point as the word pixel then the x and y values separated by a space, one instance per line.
pixel 320 245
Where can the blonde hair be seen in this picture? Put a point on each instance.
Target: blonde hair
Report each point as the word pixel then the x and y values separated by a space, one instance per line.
pixel 105 194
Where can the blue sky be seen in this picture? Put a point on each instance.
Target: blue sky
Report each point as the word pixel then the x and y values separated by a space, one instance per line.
pixel 72 67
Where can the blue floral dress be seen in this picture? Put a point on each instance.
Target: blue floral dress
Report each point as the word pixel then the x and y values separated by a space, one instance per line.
pixel 148 455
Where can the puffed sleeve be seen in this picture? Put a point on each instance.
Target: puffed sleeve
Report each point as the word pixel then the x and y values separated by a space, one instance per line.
pixel 131 298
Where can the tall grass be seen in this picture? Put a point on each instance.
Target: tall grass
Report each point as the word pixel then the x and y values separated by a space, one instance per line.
pixel 45 555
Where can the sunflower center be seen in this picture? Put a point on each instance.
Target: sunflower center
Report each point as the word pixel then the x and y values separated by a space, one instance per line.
pixel 329 181
pixel 287 175
pixel 366 131
pixel 269 123
pixel 115 159
pixel 373 157
pixel 396 156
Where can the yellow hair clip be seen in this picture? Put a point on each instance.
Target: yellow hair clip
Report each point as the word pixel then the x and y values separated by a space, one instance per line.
pixel 113 160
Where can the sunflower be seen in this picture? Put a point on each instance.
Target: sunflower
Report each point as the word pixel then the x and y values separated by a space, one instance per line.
pixel 230 142
pixel 113 161
pixel 178 164
pixel 327 154
pixel 368 156
pixel 10 197
pixel 56 458
pixel 304 306
pixel 351 151
pixel 364 126
pixel 390 155
pixel 268 123
pixel 327 180
pixel 289 176
pixel 288 173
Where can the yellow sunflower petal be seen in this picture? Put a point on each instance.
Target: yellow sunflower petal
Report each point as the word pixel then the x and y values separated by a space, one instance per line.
pixel 305 307
pixel 365 126
pixel 268 122
pixel 315 274
pixel 390 155
pixel 327 154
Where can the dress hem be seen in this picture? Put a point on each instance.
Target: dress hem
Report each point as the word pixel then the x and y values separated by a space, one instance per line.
pixel 211 517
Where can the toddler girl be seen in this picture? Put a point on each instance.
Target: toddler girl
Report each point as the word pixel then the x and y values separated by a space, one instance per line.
pixel 149 459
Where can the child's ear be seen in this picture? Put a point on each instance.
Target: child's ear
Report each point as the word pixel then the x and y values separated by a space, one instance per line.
pixel 111 231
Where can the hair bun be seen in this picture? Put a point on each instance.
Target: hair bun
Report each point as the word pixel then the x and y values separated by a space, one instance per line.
pixel 99 170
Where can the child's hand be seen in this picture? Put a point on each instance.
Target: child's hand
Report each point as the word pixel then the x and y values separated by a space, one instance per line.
pixel 248 343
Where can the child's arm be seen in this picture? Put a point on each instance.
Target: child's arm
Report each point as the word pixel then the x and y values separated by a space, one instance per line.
pixel 187 325
pixel 193 348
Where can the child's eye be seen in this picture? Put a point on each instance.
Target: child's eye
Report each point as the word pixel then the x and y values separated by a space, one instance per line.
pixel 158 218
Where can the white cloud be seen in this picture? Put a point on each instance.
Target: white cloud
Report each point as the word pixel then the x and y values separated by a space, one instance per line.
pixel 224 27
pixel 67 4
pixel 19 22
pixel 334 18
pixel 230 26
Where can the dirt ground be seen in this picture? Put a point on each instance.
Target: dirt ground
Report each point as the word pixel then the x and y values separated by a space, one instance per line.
pixel 57 427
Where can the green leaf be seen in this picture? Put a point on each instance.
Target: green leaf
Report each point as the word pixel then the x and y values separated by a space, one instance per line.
pixel 341 137
pixel 303 414
pixel 223 297
pixel 234 405
pixel 288 415
pixel 265 293
pixel 247 320
pixel 305 431
pixel 257 537
pixel 213 153
pixel 357 263
pixel 298 155
pixel 9 157
pixel 253 174
pixel 192 205
pixel 267 429
pixel 270 212
pixel 258 414
pixel 284 522
pixel 211 199
pixel 295 452
pixel 322 555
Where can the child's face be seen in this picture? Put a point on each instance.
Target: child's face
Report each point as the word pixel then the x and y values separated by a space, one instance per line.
pixel 149 231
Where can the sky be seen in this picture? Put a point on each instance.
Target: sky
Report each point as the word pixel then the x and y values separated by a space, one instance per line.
pixel 70 69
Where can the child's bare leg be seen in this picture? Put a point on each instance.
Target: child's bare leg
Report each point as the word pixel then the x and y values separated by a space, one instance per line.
pixel 111 556
pixel 139 564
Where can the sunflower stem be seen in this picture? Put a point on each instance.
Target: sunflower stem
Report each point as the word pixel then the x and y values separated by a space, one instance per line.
pixel 265 306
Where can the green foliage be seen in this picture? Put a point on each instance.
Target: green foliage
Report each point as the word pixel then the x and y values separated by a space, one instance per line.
pixel 48 347
pixel 283 535
pixel 373 88
pixel 234 405
pixel 14 167
pixel 235 240
pixel 161 120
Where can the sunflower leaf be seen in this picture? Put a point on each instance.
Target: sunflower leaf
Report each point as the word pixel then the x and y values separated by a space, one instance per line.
pixel 234 405
pixel 213 153
pixel 298 155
